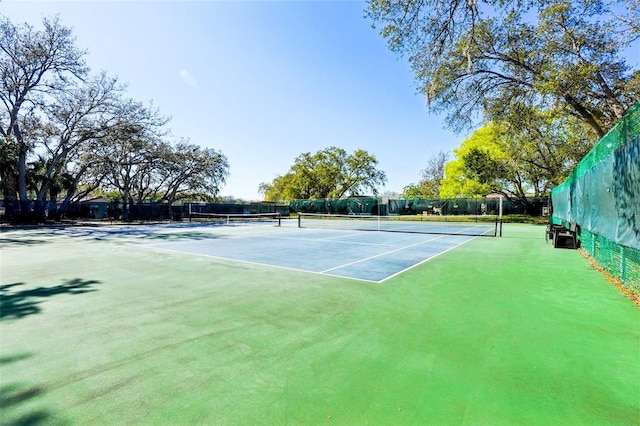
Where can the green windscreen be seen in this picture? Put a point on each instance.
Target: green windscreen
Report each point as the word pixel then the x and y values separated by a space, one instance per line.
pixel 418 206
pixel 403 224
pixel 353 206
pixel 602 195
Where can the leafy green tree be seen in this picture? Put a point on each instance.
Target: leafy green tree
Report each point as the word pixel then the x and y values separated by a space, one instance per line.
pixel 329 173
pixel 481 165
pixel 484 165
pixel 283 187
pixel 544 145
pixel 9 150
pixel 411 191
pixel 514 160
pixel 431 178
pixel 459 180
pixel 44 182
pixel 474 58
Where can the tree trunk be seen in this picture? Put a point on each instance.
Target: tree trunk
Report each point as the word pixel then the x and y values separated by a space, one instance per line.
pixel 9 192
pixel 22 184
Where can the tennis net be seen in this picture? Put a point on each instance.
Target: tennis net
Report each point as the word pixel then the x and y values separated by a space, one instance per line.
pixel 237 219
pixel 470 226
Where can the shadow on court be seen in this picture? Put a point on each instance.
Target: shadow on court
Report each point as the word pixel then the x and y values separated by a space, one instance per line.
pixel 18 242
pixel 157 232
pixel 14 395
pixel 16 303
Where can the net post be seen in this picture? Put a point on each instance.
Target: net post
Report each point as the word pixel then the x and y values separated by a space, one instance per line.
pixel 495 227
pixel 500 215
pixel 279 216
pixel 299 220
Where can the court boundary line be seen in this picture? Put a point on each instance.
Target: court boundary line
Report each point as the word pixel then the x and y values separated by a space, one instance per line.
pixel 426 260
pixel 408 228
pixel 333 239
pixel 383 254
pixel 249 262
pixel 326 272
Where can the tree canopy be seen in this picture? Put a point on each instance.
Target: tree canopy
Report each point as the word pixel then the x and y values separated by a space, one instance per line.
pixel 475 59
pixel 497 159
pixel 329 173
pixel 461 180
pixel 430 179
pixel 66 131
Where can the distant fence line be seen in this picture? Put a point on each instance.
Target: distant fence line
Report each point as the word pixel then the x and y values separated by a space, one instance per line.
pixel 450 206
pixel 101 209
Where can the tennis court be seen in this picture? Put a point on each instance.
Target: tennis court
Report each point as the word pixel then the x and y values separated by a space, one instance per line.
pixel 133 325
pixel 367 256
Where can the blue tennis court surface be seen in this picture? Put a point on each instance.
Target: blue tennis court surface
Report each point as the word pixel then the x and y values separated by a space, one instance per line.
pixel 367 256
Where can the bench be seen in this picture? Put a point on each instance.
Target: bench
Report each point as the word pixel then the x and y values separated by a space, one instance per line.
pixel 565 235
pixel 551 231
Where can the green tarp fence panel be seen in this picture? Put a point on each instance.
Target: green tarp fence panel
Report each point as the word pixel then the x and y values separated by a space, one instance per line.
pixel 161 211
pixel 232 208
pixel 455 206
pixel 602 195
pixel 353 205
pixel 447 207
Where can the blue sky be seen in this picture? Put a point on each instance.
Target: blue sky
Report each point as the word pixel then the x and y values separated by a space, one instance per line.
pixel 261 81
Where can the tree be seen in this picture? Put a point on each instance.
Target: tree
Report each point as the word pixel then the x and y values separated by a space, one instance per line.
pixel 135 159
pixel 431 178
pixel 547 144
pixel 33 64
pixel 76 118
pixel 329 173
pixel 462 182
pixel 504 158
pixel 189 169
pixel 9 150
pixel 279 189
pixel 64 131
pixel 478 57
pixel 125 158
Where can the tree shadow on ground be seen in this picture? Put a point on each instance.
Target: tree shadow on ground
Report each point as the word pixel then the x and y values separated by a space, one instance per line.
pixel 107 232
pixel 16 304
pixel 8 359
pixel 17 242
pixel 13 395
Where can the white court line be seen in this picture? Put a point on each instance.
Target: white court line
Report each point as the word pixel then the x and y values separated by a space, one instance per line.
pixel 325 272
pixel 447 228
pixel 336 239
pixel 383 254
pixel 425 260
pixel 288 268
pixel 351 243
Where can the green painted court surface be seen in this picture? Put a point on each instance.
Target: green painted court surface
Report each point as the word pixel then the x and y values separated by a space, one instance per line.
pixel 96 330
